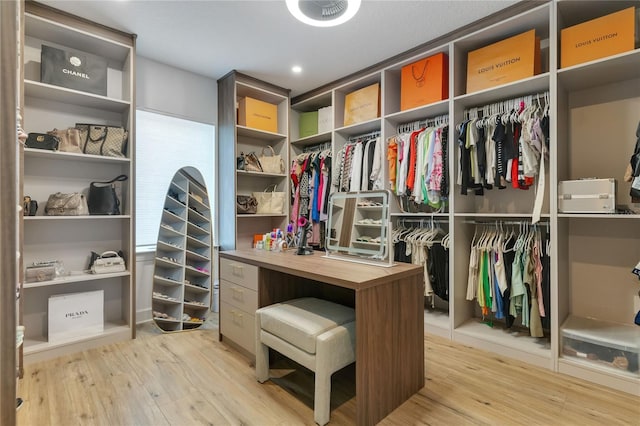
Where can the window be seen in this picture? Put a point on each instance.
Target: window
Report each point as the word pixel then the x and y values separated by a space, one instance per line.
pixel 164 145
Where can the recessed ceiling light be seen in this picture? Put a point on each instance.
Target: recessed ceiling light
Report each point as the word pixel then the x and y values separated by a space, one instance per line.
pixel 296 69
pixel 323 13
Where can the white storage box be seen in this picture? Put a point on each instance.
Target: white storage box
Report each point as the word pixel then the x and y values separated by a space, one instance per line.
pixel 604 344
pixel 76 315
pixel 587 196
pixel 325 119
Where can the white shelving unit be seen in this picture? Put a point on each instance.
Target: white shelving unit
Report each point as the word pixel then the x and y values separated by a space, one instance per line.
pixel 235 139
pixel 182 275
pixel 72 239
pixel 592 133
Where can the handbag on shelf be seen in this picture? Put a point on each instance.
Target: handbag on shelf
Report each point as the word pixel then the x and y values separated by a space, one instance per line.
pixel 29 206
pixel 252 163
pixel 42 141
pixel 98 139
pixel 107 262
pixel 73 204
pixel 246 204
pixel 271 163
pixel 103 198
pixel 70 140
pixel 240 164
pixel 270 202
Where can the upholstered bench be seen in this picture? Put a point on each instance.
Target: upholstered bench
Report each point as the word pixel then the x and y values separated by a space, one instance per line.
pixel 315 333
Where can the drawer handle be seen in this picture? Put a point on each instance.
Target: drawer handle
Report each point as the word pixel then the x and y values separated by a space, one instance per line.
pixel 236 270
pixel 237 317
pixel 238 294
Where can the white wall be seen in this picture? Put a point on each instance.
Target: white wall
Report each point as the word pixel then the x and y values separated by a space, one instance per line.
pixel 172 91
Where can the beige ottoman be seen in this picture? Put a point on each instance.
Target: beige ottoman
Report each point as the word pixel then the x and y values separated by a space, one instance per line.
pixel 315 333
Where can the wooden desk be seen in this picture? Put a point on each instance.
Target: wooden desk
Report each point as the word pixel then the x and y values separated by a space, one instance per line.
pixel 389 318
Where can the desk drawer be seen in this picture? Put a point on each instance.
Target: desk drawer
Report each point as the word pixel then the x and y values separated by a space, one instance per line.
pixel 238 326
pixel 239 273
pixel 239 296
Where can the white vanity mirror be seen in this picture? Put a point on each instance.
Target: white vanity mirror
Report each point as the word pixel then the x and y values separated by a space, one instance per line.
pixel 359 226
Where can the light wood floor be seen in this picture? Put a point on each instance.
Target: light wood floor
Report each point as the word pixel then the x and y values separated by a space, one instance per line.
pixel 190 378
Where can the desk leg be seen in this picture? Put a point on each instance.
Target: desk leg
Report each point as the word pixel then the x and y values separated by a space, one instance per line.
pixel 389 347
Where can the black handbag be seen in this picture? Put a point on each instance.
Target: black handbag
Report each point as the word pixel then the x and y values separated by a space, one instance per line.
pixel 42 141
pixel 29 206
pixel 103 198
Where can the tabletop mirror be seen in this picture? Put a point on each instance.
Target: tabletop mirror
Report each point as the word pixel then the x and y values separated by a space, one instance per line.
pixel 359 226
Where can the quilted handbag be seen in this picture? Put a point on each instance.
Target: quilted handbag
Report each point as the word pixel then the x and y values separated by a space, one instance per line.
pixel 270 202
pixel 271 163
pixel 98 139
pixel 107 262
pixel 73 204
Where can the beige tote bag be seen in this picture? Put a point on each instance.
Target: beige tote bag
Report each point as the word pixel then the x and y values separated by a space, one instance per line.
pixel 271 163
pixel 270 202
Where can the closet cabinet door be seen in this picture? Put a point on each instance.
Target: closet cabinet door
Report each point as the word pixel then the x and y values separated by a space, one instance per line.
pixel 597 293
pixel 71 239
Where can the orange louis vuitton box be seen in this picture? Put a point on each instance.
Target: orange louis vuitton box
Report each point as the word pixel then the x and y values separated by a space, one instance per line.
pixel 508 60
pixel 598 38
pixel 362 105
pixel 424 82
pixel 258 114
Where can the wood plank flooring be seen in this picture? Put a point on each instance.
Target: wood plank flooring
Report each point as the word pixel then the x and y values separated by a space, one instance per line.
pixel 190 378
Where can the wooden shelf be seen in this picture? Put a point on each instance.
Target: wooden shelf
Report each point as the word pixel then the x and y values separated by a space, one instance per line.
pixel 35 89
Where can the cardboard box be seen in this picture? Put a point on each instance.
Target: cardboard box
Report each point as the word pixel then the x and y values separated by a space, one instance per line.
pixel 509 60
pixel 325 119
pixel 587 196
pixel 74 70
pixel 598 38
pixel 308 124
pixel 362 105
pixel 424 82
pixel 76 315
pixel 258 114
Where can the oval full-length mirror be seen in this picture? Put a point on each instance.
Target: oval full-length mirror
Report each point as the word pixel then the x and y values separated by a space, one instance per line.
pixel 182 286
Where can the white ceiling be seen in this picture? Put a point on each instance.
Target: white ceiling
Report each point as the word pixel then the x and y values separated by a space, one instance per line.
pixel 261 38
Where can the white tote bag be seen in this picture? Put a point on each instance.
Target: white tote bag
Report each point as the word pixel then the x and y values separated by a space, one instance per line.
pixel 270 202
pixel 271 163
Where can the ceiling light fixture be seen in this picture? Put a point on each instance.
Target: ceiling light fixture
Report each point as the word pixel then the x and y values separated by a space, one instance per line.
pixel 323 13
pixel 296 69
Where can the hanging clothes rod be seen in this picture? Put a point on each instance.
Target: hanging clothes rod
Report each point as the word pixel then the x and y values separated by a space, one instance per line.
pixel 319 147
pixel 427 122
pixel 507 222
pixel 367 136
pixel 505 105
pixel 423 221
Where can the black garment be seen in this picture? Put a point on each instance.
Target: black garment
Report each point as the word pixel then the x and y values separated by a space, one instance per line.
pixel 499 136
pixel 546 284
pixel 368 157
pixel 509 257
pixel 444 182
pixel 325 204
pixel 400 252
pixel 438 268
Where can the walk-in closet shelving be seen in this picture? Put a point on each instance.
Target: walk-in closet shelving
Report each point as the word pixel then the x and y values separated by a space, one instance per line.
pixel 72 239
pixel 596 252
pixel 591 107
pixel 235 139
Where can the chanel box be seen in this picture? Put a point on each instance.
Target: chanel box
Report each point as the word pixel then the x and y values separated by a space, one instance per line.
pixel 74 70
pixel 76 315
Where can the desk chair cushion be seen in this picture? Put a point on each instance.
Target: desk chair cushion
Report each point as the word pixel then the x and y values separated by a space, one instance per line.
pixel 301 321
